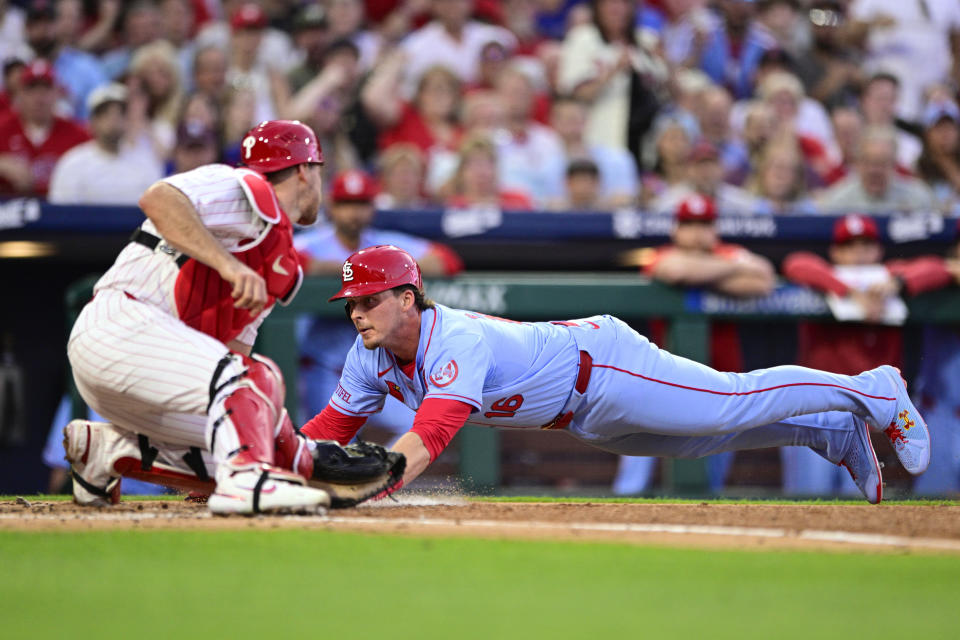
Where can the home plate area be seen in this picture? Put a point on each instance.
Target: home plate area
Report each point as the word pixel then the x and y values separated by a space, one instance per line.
pixel 930 528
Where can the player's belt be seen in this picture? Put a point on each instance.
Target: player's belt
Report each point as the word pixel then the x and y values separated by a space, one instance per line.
pixel 151 242
pixel 583 380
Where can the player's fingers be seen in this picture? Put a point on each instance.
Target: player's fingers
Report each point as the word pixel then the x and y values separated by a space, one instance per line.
pixel 245 297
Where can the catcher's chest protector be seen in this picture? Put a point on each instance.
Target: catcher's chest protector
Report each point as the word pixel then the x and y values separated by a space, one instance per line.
pixel 203 297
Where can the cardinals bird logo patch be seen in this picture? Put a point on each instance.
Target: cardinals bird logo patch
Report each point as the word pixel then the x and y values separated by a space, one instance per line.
pixel 445 374
pixel 395 390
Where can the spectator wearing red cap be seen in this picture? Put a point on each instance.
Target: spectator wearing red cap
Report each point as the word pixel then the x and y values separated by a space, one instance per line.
pixel 697 258
pixel 855 273
pixel 323 249
pixel 32 138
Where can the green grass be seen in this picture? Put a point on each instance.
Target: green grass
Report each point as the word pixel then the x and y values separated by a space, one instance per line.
pixel 316 584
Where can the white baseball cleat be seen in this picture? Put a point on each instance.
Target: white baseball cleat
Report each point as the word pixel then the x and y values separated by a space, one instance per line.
pixel 907 432
pixel 861 461
pixel 91 448
pixel 260 488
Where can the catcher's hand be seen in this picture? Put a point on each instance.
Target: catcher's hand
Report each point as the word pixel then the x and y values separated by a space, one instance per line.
pixel 356 472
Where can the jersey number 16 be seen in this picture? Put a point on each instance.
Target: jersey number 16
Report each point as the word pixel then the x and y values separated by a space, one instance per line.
pixel 504 407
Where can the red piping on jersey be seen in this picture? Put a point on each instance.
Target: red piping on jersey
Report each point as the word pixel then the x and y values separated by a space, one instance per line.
pixel 385 371
pixel 743 393
pixel 351 411
pixel 430 337
pixel 470 401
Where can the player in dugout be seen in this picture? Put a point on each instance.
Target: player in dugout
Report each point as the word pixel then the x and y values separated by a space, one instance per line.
pixel 595 378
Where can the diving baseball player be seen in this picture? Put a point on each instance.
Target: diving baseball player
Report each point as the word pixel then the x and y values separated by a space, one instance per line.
pixel 163 350
pixel 595 378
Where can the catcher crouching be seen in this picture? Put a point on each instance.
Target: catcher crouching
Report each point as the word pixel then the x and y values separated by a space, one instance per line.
pixel 164 349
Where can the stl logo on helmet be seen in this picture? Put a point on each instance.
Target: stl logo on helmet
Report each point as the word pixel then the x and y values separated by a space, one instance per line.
pixel 446 374
pixel 248 144
pixel 347 271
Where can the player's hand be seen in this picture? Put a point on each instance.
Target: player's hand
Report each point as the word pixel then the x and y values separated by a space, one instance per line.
pixel 249 288
pixel 873 305
pixel 885 289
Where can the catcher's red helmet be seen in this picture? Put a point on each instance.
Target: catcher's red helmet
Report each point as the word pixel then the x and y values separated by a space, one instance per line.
pixel 377 269
pixel 273 145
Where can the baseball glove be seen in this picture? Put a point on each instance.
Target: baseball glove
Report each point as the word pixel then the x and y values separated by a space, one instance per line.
pixel 356 472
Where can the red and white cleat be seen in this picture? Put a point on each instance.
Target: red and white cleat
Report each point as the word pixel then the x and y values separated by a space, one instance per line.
pixel 91 448
pixel 260 488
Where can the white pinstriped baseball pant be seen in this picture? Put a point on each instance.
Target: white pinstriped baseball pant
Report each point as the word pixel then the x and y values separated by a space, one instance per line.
pixel 145 370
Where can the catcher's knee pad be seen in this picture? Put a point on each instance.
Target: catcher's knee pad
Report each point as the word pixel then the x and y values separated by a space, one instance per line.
pixel 246 407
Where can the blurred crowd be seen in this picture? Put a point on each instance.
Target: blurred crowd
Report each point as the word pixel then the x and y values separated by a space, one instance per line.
pixel 762 106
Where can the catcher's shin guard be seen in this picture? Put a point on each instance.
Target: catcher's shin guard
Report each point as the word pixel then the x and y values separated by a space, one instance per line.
pixel 246 404
pixel 291 450
pixel 100 454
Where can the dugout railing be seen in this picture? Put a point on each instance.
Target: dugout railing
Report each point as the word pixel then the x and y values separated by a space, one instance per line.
pixel 560 296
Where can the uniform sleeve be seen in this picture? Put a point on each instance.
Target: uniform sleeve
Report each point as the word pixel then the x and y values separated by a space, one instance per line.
pixel 215 193
pixel 452 263
pixel 438 421
pixel 249 333
pixel 813 271
pixel 357 394
pixel 926 273
pixel 330 424
pixel 458 370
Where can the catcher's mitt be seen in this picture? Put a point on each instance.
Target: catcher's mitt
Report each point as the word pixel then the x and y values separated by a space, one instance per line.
pixel 356 472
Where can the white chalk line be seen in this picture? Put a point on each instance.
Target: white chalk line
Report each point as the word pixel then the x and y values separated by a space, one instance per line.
pixel 843 537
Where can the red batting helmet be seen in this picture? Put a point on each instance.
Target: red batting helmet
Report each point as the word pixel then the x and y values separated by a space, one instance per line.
pixel 377 269
pixel 273 145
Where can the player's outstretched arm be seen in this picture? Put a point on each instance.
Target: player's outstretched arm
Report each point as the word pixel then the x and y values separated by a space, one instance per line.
pixel 416 453
pixel 179 224
pixel 437 421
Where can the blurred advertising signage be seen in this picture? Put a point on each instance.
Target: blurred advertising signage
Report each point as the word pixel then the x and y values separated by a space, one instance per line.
pixel 628 223
pixel 785 300
pixel 470 221
pixel 486 298
pixel 918 225
pixel 19 212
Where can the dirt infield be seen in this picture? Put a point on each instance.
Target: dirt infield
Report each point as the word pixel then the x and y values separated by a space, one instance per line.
pixel 923 528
